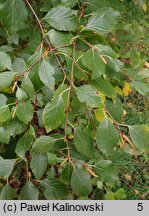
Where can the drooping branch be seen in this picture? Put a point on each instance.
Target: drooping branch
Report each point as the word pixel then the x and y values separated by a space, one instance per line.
pixel 39 23
pixel 44 37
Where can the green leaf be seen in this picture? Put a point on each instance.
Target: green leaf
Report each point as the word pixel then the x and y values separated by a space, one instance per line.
pixel 87 94
pixel 62 18
pixel 132 151
pixel 60 39
pixel 115 109
pixel 110 195
pixel 38 164
pixel 93 62
pixel 46 5
pixel 66 173
pixel 84 143
pixel 28 87
pixel 115 64
pixel 7 193
pixel 43 144
pixel 142 88
pixel 95 5
pixel 54 114
pixel 120 194
pixel 103 163
pixel 18 65
pixel 4 113
pixel 81 182
pixel 3 100
pixel 55 189
pixel 5 61
pixel 100 185
pixel 140 136
pixel 15 126
pixel 21 94
pixel 25 111
pixel 29 192
pixel 110 57
pixel 13 39
pixel 61 91
pixel 143 73
pixel 52 158
pixel 6 79
pixel 104 86
pixel 105 50
pixel 46 72
pixel 113 14
pixel 107 171
pixel 4 136
pixel 101 22
pixel 135 57
pixel 6 48
pixel 24 144
pixel 34 75
pixel 69 3
pixel 65 94
pixel 13 14
pixel 106 137
pixel 6 167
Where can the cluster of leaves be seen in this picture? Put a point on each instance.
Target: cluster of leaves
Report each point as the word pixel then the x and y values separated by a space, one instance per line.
pixel 67 69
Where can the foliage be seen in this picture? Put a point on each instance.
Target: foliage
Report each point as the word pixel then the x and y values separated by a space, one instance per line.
pixel 74 120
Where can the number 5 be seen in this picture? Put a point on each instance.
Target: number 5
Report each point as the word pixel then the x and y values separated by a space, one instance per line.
pixel 140 207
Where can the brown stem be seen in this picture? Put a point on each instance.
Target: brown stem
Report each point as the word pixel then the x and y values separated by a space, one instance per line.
pixel 100 56
pixel 31 67
pixel 39 23
pixel 82 9
pixel 122 136
pixel 58 47
pixel 114 121
pixel 27 170
pixel 38 20
pixel 68 99
pixel 64 161
pixel 40 45
pixel 44 37
pixel 90 45
pixel 59 63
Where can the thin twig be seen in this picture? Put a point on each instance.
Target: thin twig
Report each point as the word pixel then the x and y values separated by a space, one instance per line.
pixel 44 37
pixel 121 134
pixel 39 23
pixel 68 100
pixel 58 47
pixel 33 65
pixel 100 56
pixel 40 45
pixel 82 9
pixel 83 71
pixel 59 63
pixel 38 20
pixel 90 45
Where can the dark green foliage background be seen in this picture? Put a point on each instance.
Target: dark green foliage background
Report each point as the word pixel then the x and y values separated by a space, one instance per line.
pixel 74 108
